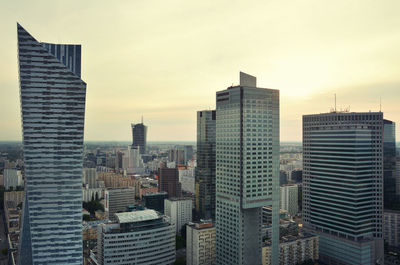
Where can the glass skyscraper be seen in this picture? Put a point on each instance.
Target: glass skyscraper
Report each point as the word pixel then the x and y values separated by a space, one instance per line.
pixel 391 180
pixel 205 169
pixel 139 136
pixel 52 97
pixel 247 171
pixel 343 185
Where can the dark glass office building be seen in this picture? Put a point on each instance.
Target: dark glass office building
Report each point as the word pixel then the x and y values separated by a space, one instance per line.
pixel 389 164
pixel 205 170
pixel 139 136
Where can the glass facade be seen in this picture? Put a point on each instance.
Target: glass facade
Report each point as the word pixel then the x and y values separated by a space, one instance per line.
pixel 53 110
pixel 247 172
pixel 139 136
pixel 343 182
pixel 391 180
pixel 205 169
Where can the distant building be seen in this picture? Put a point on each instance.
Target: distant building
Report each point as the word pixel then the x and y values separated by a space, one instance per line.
pixel 118 199
pixel 179 210
pixel 168 180
pixel 12 178
pixel 142 237
pixel 200 244
pixel 139 136
pixel 267 214
pixel 293 250
pixel 186 178
pixel 91 194
pixel 15 196
pixel 297 175
pixel 391 226
pixel 390 179
pixel 89 177
pixel 289 198
pixel 205 169
pixel 177 155
pixel 283 177
pixel 135 162
pixel 155 201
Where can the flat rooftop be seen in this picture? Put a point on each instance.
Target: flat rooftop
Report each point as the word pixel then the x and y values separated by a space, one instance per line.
pixel 137 216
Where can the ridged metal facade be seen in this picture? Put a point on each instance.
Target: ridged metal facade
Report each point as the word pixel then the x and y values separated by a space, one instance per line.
pixel 53 109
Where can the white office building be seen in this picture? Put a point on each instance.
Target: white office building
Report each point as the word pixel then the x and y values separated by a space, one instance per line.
pixel 12 178
pixel 290 198
pixel 116 200
pixel 180 211
pixel 143 237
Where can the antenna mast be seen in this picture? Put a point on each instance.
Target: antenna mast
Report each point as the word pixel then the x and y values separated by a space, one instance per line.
pixel 335 102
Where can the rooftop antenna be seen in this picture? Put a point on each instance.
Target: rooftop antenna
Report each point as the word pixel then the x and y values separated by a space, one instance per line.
pixel 142 119
pixel 335 102
pixel 380 104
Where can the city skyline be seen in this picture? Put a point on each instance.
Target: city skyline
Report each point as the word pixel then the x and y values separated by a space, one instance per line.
pixel 170 63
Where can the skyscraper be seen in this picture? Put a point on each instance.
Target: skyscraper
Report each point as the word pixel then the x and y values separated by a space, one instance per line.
pixel 139 136
pixel 168 180
pixel 53 111
pixel 205 170
pixel 343 185
pixel 390 177
pixel 247 171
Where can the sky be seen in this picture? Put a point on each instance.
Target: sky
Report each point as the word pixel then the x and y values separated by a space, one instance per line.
pixel 164 60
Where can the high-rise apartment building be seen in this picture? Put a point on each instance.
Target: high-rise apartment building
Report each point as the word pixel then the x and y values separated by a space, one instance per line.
pixel 168 180
pixel 139 136
pixel 180 211
pixel 53 111
pixel 289 198
pixel 390 178
pixel 343 185
pixel 205 170
pixel 247 170
pixel 200 243
pixel 142 237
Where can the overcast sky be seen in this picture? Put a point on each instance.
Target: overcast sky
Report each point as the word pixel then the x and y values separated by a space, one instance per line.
pixel 166 59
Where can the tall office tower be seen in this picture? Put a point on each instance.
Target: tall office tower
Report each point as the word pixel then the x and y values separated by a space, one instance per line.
pixel 139 136
pixel 343 185
pixel 53 111
pixel 390 178
pixel 205 170
pixel 247 170
pixel 168 180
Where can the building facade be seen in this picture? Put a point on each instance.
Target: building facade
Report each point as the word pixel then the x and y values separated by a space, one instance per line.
pixel 390 178
pixel 117 200
pixel 168 181
pixel 180 212
pixel 155 201
pixel 247 170
pixel 12 178
pixel 141 237
pixel 290 198
pixel 200 244
pixel 139 136
pixel 53 111
pixel 205 170
pixel 293 250
pixel 391 227
pixel 343 185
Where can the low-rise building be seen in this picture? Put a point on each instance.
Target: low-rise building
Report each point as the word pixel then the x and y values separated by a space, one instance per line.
pixel 200 244
pixel 293 249
pixel 179 210
pixel 155 201
pixel 12 178
pixel 141 237
pixel 15 196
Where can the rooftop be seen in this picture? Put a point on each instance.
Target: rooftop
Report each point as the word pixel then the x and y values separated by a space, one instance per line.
pixel 137 216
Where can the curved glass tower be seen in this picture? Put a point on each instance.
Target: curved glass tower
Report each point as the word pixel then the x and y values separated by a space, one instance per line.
pixel 53 110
